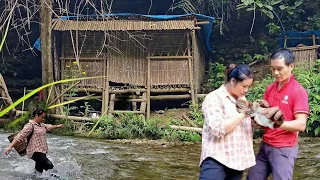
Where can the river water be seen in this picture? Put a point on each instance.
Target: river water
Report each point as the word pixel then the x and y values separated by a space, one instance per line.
pixel 90 159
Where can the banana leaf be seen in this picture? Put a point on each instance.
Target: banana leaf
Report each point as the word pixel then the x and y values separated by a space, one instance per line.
pixel 6 110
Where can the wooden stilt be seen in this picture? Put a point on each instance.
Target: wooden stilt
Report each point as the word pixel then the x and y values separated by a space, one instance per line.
pixel 104 86
pixel 112 102
pixel 193 99
pixel 144 103
pixel 148 88
pixel 106 98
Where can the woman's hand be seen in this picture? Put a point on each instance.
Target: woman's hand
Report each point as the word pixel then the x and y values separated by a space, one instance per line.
pixel 7 150
pixel 60 126
pixel 242 106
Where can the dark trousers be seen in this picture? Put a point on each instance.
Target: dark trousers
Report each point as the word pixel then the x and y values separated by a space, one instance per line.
pixel 214 170
pixel 42 162
pixel 278 161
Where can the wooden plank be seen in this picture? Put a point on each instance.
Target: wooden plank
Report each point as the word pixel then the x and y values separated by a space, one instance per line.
pixel 131 100
pixel 169 57
pixel 86 98
pixel 202 22
pixel 89 90
pixel 124 111
pixel 74 118
pixel 186 128
pixel 172 97
pixel 118 91
pixel 84 58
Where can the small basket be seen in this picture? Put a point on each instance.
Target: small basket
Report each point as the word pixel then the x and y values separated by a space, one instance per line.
pixel 20 147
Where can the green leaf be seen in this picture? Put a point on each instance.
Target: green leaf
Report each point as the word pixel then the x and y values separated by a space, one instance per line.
pixel 94 127
pixel 268 13
pixel 6 110
pixel 290 11
pixel 250 9
pixel 274 2
pixel 316 131
pixel 67 102
pixel 298 3
pixel 268 7
pixel 282 7
pixel 259 4
pixel 241 6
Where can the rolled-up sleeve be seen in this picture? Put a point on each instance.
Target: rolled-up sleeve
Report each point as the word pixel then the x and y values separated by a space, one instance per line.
pixel 213 116
pixel 48 127
pixel 22 135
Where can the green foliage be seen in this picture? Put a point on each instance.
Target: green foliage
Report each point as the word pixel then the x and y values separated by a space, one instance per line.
pixel 258 88
pixel 314 22
pixel 310 80
pixel 273 29
pixel 18 123
pixel 216 75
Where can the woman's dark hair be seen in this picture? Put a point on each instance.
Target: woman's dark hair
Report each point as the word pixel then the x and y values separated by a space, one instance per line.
pixel 285 54
pixel 239 72
pixel 38 111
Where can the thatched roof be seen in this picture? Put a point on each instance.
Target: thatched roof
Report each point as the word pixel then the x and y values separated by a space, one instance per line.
pixel 122 25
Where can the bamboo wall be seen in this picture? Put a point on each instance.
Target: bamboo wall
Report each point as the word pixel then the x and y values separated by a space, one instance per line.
pixel 199 62
pixel 127 54
pixel 305 56
pixel 89 47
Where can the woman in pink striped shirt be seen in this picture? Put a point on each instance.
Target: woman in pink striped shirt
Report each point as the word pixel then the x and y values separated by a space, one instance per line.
pixel 37 147
pixel 227 145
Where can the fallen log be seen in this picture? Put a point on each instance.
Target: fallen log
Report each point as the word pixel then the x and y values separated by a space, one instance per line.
pixel 188 120
pixel 187 128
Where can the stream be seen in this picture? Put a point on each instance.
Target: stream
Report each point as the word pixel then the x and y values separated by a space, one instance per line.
pixel 91 159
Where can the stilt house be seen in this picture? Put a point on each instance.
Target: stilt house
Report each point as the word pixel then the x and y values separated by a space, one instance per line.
pixel 145 58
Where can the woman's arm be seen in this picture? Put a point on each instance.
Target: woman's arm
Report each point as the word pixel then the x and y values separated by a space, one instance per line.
pixel 53 127
pixel 27 129
pixel 215 119
pixel 233 122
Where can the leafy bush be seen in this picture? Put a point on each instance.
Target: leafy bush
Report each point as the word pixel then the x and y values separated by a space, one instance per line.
pixel 216 74
pixel 310 80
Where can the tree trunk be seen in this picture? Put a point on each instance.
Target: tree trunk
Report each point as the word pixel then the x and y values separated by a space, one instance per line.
pixel 45 37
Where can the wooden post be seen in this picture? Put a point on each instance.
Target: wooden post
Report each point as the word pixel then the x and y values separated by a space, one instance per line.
pixel 134 103
pixel 45 37
pixel 193 98
pixel 112 100
pixel 104 86
pixel 314 39
pixel 62 68
pixel 143 104
pixel 106 92
pixel 285 41
pixel 148 88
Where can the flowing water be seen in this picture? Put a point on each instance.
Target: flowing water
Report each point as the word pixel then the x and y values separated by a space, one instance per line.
pixel 89 159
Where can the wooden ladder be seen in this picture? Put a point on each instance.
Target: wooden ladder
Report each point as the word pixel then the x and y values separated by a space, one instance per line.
pixel 134 99
pixel 4 95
